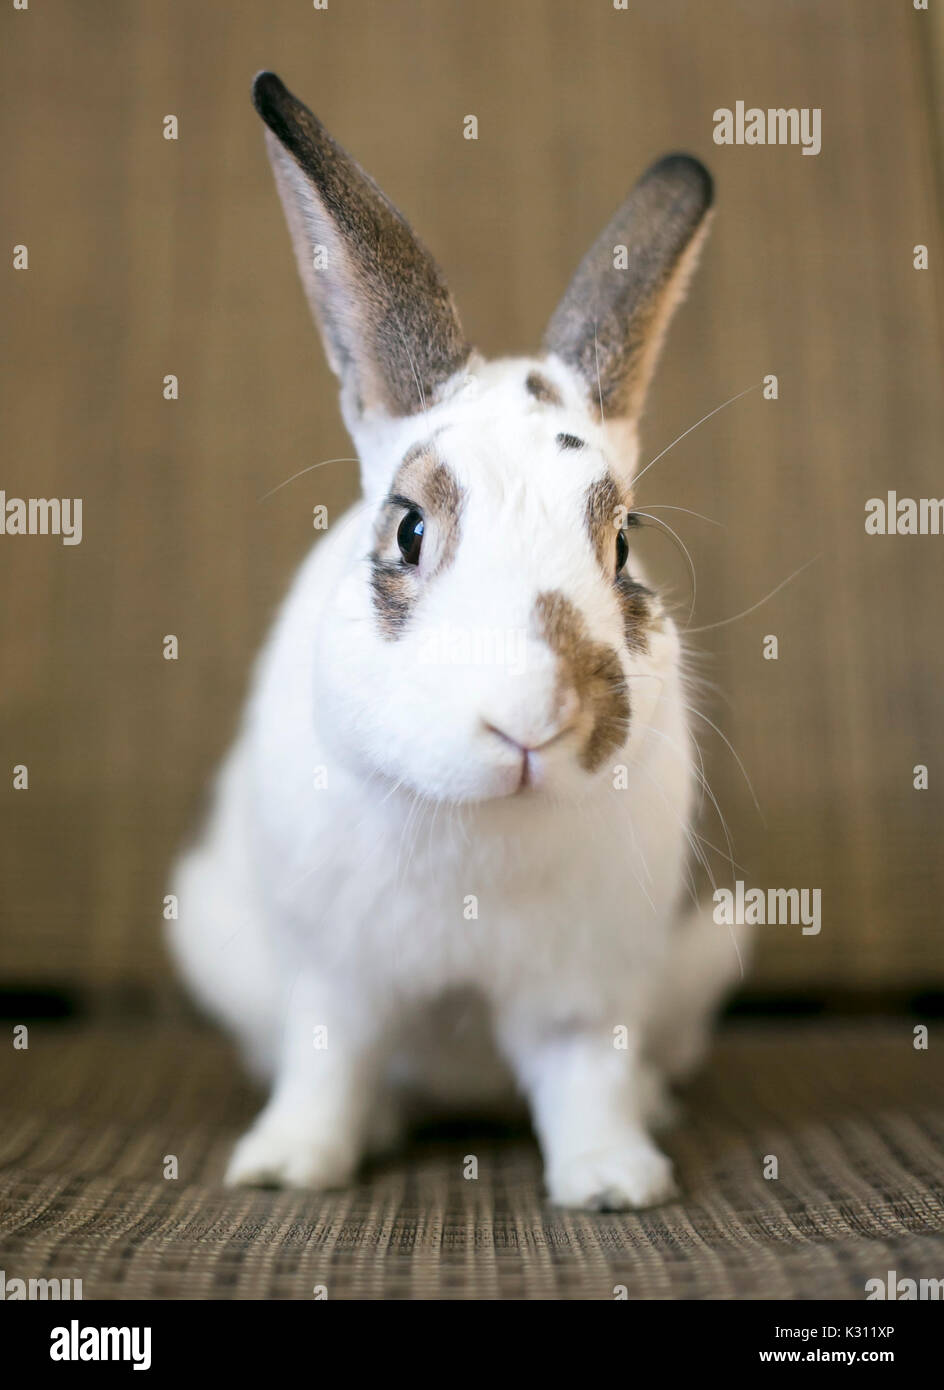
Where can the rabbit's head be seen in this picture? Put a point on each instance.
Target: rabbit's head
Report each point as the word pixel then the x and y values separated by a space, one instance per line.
pixel 487 633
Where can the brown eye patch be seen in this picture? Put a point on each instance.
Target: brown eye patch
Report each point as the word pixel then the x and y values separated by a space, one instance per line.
pixel 592 670
pixel 542 390
pixel 604 510
pixel 425 484
pixel 393 594
pixel 607 511
pixel 636 605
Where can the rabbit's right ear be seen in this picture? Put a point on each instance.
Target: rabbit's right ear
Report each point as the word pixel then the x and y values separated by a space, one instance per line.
pixel 389 325
pixel 611 322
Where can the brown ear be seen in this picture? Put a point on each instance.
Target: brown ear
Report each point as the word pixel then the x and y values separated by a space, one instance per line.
pixel 390 328
pixel 611 322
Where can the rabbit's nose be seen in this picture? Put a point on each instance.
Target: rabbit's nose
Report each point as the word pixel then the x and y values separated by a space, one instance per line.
pixel 530 731
pixel 516 742
pixel 538 718
pixel 537 738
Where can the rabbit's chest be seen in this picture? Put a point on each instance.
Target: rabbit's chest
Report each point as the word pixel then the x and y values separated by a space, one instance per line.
pixel 440 909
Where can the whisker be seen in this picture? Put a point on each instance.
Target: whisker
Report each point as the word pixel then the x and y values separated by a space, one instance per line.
pixel 718 850
pixel 690 883
pixel 690 631
pixel 421 394
pixel 596 354
pixel 721 819
pixel 704 782
pixel 691 563
pixel 699 771
pixel 755 387
pixel 691 709
pixel 686 830
pixel 301 474
pixel 737 950
pixel 666 507
pixel 636 851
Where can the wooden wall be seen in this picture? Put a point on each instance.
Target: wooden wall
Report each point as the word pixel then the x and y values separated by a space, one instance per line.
pixel 149 257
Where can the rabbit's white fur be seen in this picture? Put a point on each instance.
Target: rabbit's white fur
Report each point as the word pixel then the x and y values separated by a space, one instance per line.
pixel 375 910
pixel 343 906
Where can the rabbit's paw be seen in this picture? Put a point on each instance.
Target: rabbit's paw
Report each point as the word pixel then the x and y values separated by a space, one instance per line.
pixel 276 1154
pixel 625 1177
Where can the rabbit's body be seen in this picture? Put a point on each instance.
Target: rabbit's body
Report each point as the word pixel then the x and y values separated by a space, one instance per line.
pixel 446 860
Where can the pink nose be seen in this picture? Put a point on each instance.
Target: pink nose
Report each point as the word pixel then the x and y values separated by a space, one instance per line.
pixel 528 747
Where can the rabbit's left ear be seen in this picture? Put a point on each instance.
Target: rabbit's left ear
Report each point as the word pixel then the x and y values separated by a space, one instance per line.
pixel 389 326
pixel 611 322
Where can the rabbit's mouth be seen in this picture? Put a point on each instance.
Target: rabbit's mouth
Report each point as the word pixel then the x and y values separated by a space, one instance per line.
pixel 513 770
pixel 531 771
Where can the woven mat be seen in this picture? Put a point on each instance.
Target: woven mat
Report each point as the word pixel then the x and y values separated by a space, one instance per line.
pixel 853 1114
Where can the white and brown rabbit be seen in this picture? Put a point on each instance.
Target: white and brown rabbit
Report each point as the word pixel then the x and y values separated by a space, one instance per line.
pixel 446 860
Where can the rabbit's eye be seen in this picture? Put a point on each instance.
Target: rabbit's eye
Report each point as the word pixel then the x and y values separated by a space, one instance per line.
pixel 410 537
pixel 622 550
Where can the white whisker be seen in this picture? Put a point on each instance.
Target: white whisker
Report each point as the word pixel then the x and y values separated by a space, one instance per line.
pixel 691 709
pixel 755 387
pixel 691 563
pixel 754 606
pixel 301 473
pixel 596 354
pixel 667 507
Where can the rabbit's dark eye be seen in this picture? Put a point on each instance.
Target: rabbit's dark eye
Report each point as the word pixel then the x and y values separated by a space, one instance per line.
pixel 622 550
pixel 410 537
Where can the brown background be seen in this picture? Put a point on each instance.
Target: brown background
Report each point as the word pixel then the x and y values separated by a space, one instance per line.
pixel 150 257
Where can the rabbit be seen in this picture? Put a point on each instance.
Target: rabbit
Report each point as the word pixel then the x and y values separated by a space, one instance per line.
pixel 444 869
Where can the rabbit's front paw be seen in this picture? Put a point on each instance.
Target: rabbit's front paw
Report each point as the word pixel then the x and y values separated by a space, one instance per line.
pixel 613 1179
pixel 275 1154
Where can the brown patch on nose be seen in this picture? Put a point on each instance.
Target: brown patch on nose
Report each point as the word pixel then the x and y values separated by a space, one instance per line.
pixel 425 484
pixel 592 670
pixel 542 390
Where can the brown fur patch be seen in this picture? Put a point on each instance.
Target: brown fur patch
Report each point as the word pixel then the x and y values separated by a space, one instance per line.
pixel 425 483
pixel 606 505
pixel 592 670
pixel 635 602
pixel 542 390
pixel 393 595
